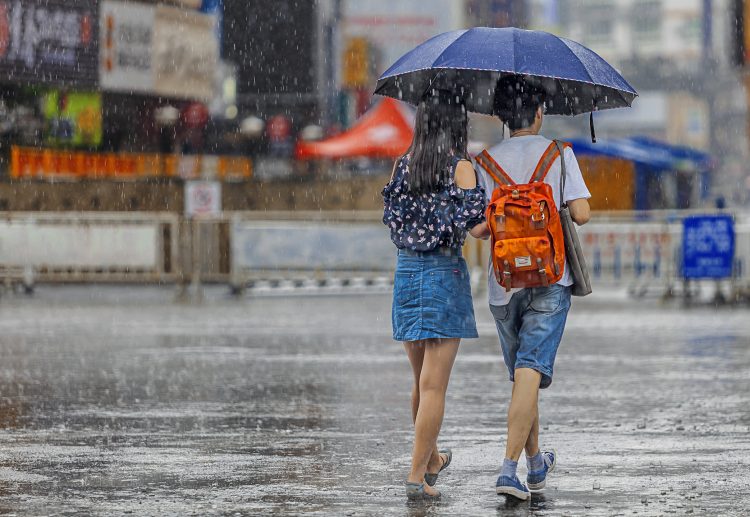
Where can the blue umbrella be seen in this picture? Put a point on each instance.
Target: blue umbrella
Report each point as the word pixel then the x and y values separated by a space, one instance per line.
pixel 470 62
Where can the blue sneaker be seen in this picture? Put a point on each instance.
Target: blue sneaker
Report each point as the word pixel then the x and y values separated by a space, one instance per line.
pixel 537 479
pixel 512 486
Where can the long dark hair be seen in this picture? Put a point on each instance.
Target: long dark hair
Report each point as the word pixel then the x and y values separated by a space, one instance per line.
pixel 439 135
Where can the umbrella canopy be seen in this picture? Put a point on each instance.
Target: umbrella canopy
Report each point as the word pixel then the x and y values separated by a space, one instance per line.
pixel 470 62
pixel 385 131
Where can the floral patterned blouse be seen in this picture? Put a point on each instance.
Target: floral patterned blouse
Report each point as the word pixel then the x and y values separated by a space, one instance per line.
pixel 424 222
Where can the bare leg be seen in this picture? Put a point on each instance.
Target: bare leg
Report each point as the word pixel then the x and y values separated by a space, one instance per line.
pixel 415 352
pixel 522 412
pixel 439 356
pixel 532 442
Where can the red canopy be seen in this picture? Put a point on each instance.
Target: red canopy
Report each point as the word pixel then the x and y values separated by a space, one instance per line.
pixel 385 131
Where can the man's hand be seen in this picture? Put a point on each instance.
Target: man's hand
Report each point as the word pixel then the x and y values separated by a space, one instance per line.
pixel 480 231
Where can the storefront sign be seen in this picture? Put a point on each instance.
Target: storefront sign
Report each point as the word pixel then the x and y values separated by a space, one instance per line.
pixel 73 118
pixel 126 32
pixel 49 42
pixel 160 50
pixel 186 53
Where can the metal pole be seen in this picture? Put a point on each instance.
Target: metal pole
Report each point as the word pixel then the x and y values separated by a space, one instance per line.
pixel 708 31
pixel 709 73
pixel 196 287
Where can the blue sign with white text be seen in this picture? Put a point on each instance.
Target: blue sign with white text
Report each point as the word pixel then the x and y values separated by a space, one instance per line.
pixel 707 246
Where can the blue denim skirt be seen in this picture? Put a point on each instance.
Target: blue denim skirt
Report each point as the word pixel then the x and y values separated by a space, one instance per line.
pixel 432 296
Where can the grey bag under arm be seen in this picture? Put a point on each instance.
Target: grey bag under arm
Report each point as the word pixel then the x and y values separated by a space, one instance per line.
pixel 573 252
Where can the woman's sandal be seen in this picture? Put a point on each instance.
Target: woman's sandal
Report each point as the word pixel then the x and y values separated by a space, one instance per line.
pixel 431 479
pixel 415 492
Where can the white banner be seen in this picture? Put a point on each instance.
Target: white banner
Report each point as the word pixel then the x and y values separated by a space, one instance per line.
pixel 186 53
pixel 126 43
pixel 164 50
pixel 84 245
pixel 312 246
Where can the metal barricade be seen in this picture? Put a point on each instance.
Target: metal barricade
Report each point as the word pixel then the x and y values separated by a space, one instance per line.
pixel 90 246
pixel 643 251
pixel 636 255
pixel 309 246
pixel 639 251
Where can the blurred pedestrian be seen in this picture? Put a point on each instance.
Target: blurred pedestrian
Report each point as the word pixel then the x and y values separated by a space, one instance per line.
pixel 530 321
pixel 430 203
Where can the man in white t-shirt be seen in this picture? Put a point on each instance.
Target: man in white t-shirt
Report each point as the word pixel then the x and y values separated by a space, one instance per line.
pixel 530 322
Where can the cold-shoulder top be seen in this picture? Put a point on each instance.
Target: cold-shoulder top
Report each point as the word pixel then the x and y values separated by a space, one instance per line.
pixel 424 222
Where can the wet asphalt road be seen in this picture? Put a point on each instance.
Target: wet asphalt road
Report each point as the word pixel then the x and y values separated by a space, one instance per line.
pixel 118 401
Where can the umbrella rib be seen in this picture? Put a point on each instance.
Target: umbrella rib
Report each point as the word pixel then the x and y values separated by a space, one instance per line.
pixel 568 107
pixel 515 64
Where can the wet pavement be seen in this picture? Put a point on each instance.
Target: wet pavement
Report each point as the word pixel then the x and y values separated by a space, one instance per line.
pixel 119 401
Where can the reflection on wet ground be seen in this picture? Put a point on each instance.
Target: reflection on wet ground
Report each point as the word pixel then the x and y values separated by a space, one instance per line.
pixel 118 401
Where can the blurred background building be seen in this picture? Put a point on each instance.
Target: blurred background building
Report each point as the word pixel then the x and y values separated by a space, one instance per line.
pixel 123 90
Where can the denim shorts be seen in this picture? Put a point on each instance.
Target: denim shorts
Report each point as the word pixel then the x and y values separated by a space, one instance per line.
pixel 531 328
pixel 432 297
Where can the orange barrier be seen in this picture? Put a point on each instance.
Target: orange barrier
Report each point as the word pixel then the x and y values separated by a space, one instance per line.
pixel 28 163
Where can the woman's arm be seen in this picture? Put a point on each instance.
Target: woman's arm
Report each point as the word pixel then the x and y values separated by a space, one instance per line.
pixel 466 178
pixel 393 172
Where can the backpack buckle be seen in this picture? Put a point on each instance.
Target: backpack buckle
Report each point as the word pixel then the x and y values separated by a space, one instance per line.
pixel 542 272
pixel 500 223
pixel 515 194
pixel 538 220
pixel 538 217
pixel 507 276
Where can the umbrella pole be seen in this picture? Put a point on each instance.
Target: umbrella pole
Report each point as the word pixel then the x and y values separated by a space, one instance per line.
pixel 591 125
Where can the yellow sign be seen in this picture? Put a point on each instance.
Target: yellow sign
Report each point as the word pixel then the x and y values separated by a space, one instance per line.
pixel 356 63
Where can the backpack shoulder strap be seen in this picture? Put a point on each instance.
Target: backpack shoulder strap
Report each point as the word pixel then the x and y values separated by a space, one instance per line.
pixel 493 168
pixel 545 163
pixel 548 158
pixel 561 149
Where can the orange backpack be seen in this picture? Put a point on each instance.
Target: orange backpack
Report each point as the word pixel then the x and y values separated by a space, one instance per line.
pixel 528 247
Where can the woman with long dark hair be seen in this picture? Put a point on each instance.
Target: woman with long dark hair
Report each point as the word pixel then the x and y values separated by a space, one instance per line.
pixel 431 202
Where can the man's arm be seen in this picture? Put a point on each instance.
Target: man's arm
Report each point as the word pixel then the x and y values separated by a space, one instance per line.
pixel 576 193
pixel 580 211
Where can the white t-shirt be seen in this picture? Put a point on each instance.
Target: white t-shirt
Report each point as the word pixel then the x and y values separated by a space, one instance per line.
pixel 519 156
